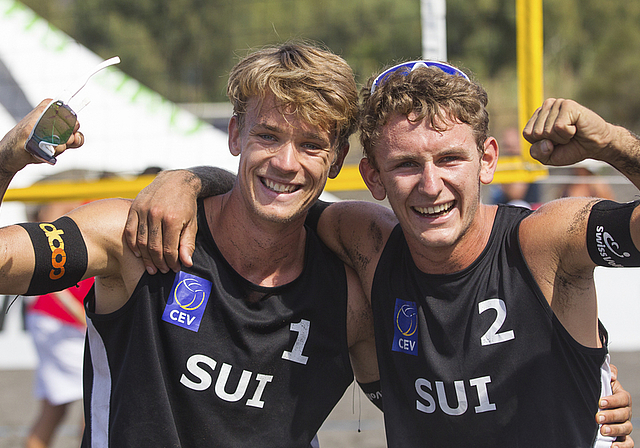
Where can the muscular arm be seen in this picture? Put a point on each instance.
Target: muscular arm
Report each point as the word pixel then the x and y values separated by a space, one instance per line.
pixel 99 228
pixel 162 223
pixel 563 132
pixel 100 225
pixel 360 336
pixel 16 263
pixel 357 232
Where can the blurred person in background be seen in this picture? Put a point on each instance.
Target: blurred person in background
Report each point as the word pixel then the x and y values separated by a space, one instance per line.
pixel 586 183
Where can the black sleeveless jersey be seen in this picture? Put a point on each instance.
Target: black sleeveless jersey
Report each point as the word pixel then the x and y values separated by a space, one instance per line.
pixel 190 362
pixel 477 358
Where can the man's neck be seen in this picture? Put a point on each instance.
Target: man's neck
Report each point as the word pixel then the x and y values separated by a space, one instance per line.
pixel 264 253
pixel 454 258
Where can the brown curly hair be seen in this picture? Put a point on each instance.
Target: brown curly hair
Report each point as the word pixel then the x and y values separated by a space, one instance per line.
pixel 428 93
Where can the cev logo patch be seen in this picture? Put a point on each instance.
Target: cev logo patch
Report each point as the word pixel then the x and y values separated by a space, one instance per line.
pixel 187 301
pixel 405 337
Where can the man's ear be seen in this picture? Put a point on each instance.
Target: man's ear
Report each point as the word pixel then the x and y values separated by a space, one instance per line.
pixel 489 160
pixel 371 177
pixel 336 166
pixel 234 136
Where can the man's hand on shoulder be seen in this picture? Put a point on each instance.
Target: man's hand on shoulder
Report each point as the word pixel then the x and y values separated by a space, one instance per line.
pixel 162 224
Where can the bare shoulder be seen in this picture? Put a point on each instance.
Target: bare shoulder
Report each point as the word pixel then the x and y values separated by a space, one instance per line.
pixel 561 218
pixel 102 226
pixel 357 231
pixel 556 233
pixel 102 220
pixel 116 269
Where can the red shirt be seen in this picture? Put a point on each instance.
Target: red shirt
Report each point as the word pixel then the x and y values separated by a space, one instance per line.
pixel 50 305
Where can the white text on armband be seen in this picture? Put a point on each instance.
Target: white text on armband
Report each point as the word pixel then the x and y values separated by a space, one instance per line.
pixel 609 240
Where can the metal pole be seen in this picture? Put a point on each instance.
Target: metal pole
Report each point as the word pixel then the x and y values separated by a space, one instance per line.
pixel 434 29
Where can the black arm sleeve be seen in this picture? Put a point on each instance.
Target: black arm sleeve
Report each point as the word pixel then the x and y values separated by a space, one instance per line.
pixel 214 180
pixel 314 214
pixel 61 255
pixel 609 240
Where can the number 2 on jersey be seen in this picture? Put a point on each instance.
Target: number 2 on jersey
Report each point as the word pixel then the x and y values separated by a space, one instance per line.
pixel 492 336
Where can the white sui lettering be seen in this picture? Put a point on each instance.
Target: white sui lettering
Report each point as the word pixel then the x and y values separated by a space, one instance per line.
pixel 220 388
pixel 423 387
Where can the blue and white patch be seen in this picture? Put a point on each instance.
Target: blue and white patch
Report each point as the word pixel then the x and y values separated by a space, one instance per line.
pixel 187 301
pixel 405 338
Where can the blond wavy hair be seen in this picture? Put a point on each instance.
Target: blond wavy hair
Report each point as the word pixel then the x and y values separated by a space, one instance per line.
pixel 314 83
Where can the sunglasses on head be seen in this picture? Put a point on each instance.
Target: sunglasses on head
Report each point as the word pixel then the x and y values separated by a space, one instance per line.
pixel 55 125
pixel 407 67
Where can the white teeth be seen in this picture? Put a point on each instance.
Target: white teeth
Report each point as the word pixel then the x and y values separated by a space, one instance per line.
pixel 435 209
pixel 279 188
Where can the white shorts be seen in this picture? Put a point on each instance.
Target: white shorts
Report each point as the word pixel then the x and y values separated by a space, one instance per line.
pixel 60 348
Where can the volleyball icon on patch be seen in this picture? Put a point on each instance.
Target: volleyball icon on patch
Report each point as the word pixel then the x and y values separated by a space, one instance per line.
pixel 187 301
pixel 405 337
pixel 189 294
pixel 407 320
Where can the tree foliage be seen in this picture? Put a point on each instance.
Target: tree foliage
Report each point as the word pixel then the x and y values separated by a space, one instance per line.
pixel 185 48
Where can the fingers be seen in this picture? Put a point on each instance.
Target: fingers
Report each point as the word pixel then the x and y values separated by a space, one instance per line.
pixel 156 251
pixel 555 120
pixel 164 239
pixel 77 138
pixel 143 238
pixel 165 219
pixel 187 243
pixel 154 237
pixel 616 412
pixel 624 442
pixel 131 231
pixel 542 151
pixel 608 421
pixel 75 141
pixel 141 244
pixel 621 431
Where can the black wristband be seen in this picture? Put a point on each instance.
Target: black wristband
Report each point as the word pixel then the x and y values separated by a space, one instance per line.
pixel 373 392
pixel 609 239
pixel 61 255
pixel 214 180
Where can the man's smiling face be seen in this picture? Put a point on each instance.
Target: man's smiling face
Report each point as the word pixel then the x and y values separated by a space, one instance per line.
pixel 284 161
pixel 431 177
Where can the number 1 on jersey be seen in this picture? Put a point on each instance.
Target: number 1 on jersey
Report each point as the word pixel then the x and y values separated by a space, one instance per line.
pixel 295 355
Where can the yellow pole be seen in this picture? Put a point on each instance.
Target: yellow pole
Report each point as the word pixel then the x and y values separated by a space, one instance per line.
pixel 530 65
